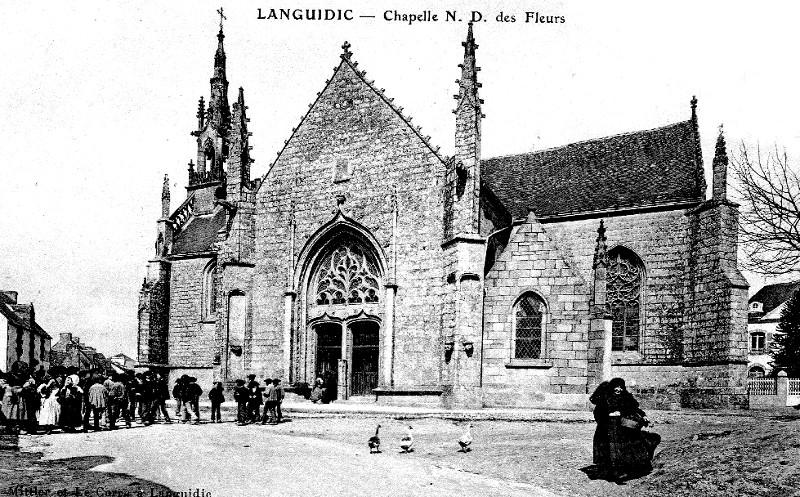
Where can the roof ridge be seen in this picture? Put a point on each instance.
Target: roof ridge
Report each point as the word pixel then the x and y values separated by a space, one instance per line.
pixel 399 110
pixel 302 119
pixel 345 59
pixel 590 140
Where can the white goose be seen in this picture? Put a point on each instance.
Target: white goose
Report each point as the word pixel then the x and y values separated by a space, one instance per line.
pixel 466 440
pixel 407 441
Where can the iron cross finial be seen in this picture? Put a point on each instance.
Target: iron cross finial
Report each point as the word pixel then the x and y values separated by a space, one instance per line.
pixel 221 17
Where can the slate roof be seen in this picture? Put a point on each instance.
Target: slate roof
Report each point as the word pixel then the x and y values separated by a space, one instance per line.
pixel 20 315
pixel 771 296
pixel 7 311
pixel 636 169
pixel 199 233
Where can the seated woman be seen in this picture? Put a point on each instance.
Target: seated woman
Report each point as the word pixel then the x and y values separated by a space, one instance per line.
pixel 620 449
pixel 316 392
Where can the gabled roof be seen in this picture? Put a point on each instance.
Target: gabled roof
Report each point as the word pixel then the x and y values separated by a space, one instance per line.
pixel 7 311
pixel 199 233
pixel 347 64
pixel 638 169
pixel 771 296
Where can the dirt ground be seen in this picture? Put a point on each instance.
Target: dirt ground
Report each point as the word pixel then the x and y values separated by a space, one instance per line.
pixel 699 455
pixel 707 455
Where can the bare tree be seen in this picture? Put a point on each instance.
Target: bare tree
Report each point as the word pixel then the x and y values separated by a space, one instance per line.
pixel 769 224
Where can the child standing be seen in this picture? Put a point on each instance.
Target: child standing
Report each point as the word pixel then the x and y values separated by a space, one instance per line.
pixel 241 394
pixel 217 398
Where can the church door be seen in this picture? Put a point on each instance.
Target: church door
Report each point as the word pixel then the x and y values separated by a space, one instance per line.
pixel 365 357
pixel 329 351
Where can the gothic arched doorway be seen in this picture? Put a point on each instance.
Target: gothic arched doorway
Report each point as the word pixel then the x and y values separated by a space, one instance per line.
pixel 343 304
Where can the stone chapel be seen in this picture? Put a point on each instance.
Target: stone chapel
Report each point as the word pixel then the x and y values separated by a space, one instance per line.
pixel 407 276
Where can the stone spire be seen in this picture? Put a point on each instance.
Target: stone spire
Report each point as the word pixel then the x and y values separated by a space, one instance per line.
pixel 464 177
pixel 165 197
pixel 699 173
pixel 201 113
pixel 600 248
pixel 720 169
pixel 218 109
pixel 468 84
pixel 239 160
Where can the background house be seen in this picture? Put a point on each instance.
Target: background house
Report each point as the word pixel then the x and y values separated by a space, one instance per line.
pixel 21 338
pixel 121 363
pixel 69 351
pixel 764 313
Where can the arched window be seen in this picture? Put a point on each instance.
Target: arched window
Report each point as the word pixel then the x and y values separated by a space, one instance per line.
pixel 757 342
pixel 756 372
pixel 210 290
pixel 347 276
pixel 528 319
pixel 624 298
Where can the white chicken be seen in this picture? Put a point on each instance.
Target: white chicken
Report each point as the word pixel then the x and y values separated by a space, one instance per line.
pixel 374 442
pixel 407 442
pixel 466 440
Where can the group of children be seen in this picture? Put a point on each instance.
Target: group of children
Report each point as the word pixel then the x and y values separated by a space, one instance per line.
pixel 249 397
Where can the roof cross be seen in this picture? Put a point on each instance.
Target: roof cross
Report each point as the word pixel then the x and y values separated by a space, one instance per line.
pixel 221 17
pixel 346 48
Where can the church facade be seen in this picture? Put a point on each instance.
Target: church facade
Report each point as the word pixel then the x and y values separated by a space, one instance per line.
pixel 366 256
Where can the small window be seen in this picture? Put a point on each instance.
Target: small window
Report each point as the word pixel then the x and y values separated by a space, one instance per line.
pixel 757 341
pixel 528 318
pixel 756 372
pixel 210 291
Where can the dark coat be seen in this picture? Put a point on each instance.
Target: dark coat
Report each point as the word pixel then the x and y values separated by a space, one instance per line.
pixel 617 449
pixel 216 395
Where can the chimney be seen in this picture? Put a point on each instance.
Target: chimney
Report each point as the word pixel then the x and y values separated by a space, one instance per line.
pixel 65 337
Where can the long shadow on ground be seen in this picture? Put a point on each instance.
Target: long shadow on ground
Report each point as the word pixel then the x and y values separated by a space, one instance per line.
pixel 26 474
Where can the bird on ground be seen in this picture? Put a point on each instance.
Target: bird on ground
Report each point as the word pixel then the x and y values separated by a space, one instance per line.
pixel 374 442
pixel 466 440
pixel 407 441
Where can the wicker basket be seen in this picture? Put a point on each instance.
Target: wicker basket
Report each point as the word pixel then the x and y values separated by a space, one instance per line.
pixel 631 423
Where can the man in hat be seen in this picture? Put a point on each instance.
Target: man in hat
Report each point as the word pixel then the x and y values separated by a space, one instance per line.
pixel 117 402
pixel 160 396
pixel 241 395
pixel 256 399
pixel 177 394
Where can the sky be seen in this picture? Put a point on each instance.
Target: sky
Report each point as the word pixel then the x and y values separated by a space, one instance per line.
pixel 98 100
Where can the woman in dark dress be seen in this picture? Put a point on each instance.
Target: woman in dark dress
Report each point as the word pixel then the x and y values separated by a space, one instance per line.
pixel 619 451
pixel 71 398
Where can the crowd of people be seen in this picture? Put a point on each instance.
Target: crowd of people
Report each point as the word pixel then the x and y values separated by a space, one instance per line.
pixel 71 400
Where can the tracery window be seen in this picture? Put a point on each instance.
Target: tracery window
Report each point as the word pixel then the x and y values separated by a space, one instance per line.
pixel 347 276
pixel 624 299
pixel 528 317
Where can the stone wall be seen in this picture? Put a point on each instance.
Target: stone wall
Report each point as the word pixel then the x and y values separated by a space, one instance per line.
pixel 355 144
pixel 533 262
pixel 661 241
pixel 191 341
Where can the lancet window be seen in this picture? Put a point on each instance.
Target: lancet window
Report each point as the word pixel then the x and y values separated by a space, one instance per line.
pixel 528 318
pixel 624 299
